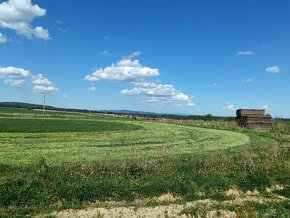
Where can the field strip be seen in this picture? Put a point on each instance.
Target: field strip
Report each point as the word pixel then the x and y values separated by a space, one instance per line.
pixel 106 141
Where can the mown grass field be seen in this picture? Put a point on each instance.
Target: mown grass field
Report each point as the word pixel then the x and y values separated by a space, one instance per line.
pixel 25 141
pixel 70 160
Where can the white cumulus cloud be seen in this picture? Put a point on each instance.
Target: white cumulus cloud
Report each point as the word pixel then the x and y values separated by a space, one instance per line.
pixel 125 70
pixel 19 14
pixel 44 89
pixel 42 84
pixel 14 76
pixel 130 70
pixel 3 38
pixel 157 93
pixel 40 80
pixel 13 72
pixel 15 82
pixel 273 69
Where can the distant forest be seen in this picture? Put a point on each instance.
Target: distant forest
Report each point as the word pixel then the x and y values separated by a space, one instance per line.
pixel 117 112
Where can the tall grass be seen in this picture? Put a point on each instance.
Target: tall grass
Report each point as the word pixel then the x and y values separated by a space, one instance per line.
pixel 43 187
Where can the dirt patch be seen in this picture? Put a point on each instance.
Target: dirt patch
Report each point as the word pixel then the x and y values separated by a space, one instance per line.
pixel 167 198
pixel 168 205
pixel 234 192
pixel 170 210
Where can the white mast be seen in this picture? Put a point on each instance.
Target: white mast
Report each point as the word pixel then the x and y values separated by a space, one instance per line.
pixel 43 108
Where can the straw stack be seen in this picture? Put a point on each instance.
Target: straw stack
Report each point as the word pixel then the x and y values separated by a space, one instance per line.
pixel 254 118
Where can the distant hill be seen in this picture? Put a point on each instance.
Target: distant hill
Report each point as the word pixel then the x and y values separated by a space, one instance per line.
pixel 38 106
pixel 128 112
pixel 24 105
pixel 124 112
pixel 47 107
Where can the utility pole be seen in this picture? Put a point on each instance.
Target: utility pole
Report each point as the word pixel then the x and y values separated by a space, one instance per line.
pixel 43 108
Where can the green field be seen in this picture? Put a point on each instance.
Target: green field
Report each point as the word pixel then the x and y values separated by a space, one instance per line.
pixel 8 125
pixel 69 160
pixel 26 141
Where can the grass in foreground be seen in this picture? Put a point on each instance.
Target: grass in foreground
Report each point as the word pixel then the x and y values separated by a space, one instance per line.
pixel 42 188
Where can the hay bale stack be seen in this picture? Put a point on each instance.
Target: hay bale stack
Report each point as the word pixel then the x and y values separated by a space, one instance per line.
pixel 254 118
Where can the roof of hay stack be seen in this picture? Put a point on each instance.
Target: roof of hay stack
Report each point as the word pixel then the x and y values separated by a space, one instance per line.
pixel 249 112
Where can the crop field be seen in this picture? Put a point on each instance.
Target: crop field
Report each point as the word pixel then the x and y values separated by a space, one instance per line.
pixel 78 141
pixel 74 161
pixel 9 125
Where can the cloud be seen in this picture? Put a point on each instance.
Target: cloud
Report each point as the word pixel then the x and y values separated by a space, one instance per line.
pixel 134 54
pixel 14 76
pixel 3 38
pixel 93 88
pixel 125 70
pixel 13 72
pixel 18 15
pixel 230 107
pixel 19 77
pixel 16 82
pixel 245 53
pixel 65 95
pixel 157 93
pixel 60 28
pixel 44 89
pixel 130 70
pixel 104 53
pixel 40 80
pixel 247 80
pixel 42 84
pixel 265 107
pixel 273 69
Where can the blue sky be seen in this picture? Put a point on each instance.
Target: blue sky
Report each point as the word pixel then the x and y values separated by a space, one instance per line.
pixel 194 57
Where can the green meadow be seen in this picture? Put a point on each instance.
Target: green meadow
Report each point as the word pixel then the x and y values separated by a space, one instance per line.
pixel 25 141
pixel 70 160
